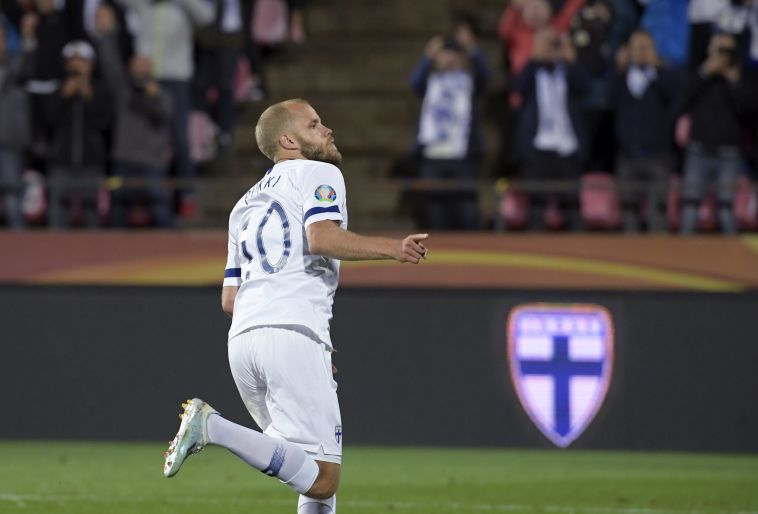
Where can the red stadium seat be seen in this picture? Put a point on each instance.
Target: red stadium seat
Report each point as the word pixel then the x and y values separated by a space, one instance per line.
pixel 138 216
pixel 706 213
pixel 514 209
pixel 746 205
pixel 34 201
pixel 202 136
pixel 682 130
pixel 554 218
pixel 243 81
pixel 270 22
pixel 673 200
pixel 103 203
pixel 600 203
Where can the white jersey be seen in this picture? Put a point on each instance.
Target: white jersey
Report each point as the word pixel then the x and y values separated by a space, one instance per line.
pixel 280 282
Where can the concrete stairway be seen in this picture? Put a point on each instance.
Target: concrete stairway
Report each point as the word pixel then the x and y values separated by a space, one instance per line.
pixel 354 69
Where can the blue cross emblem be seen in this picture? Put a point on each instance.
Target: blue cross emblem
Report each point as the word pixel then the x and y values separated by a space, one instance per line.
pixel 561 368
pixel 338 433
pixel 561 359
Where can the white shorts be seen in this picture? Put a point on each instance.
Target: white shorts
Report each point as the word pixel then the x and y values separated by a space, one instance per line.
pixel 285 379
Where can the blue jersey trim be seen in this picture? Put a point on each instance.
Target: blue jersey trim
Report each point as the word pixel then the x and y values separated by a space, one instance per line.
pixel 233 273
pixel 320 210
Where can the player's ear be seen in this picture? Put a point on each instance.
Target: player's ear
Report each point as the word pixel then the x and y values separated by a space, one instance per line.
pixel 288 142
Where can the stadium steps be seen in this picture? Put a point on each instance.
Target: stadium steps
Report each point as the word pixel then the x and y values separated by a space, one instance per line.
pixel 361 124
pixel 354 69
pixel 391 18
pixel 355 65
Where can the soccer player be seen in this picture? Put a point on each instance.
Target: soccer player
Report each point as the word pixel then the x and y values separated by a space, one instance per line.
pixel 287 235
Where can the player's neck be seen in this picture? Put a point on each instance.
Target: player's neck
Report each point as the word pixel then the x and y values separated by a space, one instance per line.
pixel 290 157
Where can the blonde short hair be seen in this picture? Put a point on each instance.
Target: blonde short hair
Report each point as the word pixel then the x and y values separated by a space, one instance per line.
pixel 273 122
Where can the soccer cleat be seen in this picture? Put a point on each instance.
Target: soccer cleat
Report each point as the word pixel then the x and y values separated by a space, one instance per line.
pixel 191 438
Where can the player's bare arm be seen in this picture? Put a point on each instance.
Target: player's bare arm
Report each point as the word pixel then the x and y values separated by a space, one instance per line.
pixel 327 238
pixel 228 294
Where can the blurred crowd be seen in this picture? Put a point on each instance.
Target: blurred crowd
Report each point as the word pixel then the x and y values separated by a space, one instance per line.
pixel 108 104
pixel 624 94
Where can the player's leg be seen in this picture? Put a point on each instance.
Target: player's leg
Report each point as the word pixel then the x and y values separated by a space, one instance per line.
pixel 309 505
pixel 313 479
pixel 302 400
pixel 269 455
pixel 319 500
pixel 296 369
pixel 284 379
pixel 202 425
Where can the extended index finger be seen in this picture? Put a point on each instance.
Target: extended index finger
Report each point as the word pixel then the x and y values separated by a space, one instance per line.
pixel 419 237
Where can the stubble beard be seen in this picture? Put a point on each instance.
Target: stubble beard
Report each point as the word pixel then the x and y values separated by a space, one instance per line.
pixel 327 153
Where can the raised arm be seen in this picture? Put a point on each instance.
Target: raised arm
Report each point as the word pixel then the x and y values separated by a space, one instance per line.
pixel 328 239
pixel 111 64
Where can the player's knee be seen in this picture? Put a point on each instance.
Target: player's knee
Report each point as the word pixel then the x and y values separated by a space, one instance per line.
pixel 326 483
pixel 322 492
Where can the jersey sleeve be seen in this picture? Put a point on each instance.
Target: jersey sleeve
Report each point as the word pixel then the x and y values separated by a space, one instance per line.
pixel 233 270
pixel 324 196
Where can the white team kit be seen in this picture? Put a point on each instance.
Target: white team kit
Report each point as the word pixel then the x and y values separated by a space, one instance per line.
pixel 280 297
pixel 279 342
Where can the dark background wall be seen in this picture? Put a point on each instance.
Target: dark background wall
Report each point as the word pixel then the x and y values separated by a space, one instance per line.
pixel 415 366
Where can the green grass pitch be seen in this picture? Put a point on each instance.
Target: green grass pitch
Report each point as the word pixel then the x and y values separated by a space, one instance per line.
pixel 103 478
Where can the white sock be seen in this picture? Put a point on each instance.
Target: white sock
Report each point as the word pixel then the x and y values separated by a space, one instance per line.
pixel 274 457
pixel 307 505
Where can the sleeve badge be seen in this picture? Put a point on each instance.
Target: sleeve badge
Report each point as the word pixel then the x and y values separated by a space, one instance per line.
pixel 325 193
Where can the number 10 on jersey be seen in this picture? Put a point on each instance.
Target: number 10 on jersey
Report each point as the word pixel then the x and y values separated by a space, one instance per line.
pixel 271 238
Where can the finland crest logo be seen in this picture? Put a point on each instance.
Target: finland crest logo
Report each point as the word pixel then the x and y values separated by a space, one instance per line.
pixel 561 362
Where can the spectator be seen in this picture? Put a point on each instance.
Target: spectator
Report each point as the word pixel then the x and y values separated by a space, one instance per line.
pixel 217 51
pixel 15 125
pixel 256 88
pixel 551 137
pixel 522 19
pixel 79 114
pixel 702 14
pixel 450 77
pixel 141 145
pixel 166 37
pixel 590 34
pixel 752 24
pixel 751 107
pixel 644 96
pixel 52 31
pixel 126 34
pixel 714 102
pixel 597 31
pixel 741 20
